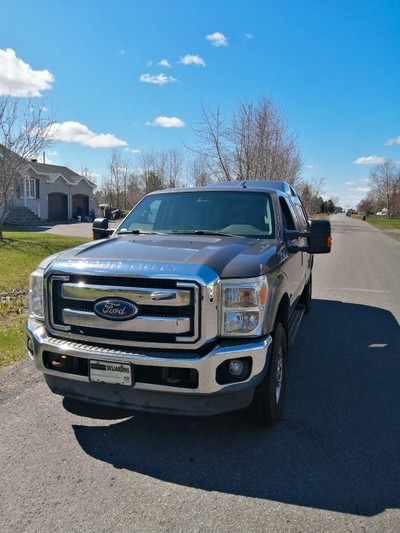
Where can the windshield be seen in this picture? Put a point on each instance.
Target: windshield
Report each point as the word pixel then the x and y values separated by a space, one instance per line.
pixel 245 214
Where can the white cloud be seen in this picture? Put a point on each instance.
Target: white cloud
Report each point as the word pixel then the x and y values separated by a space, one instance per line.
pixel 192 60
pixel 395 140
pixel 74 132
pixel 249 36
pixel 311 166
pixel 364 180
pixel 120 52
pixel 360 189
pixel 164 63
pixel 349 183
pixel 132 150
pixel 217 39
pixel 167 122
pixel 47 156
pixel 46 160
pixel 160 79
pixel 19 79
pixel 88 174
pixel 370 160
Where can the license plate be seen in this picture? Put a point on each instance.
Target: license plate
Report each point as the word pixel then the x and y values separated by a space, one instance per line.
pixel 109 372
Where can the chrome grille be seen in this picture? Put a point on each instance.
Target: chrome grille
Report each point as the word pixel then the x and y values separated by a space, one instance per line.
pixel 168 310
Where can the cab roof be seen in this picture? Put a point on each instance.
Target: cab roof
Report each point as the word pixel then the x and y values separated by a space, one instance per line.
pixel 255 184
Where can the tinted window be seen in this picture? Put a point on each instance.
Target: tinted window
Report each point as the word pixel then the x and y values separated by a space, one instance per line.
pixel 237 213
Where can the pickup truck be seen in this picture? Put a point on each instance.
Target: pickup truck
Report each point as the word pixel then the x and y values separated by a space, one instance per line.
pixel 187 308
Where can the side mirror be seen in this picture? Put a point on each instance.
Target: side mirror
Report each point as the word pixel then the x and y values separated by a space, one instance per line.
pixel 319 239
pixel 100 229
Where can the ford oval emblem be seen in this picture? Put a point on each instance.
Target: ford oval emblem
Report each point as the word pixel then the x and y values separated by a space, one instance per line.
pixel 115 309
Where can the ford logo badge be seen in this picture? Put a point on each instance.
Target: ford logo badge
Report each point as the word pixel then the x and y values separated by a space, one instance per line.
pixel 115 309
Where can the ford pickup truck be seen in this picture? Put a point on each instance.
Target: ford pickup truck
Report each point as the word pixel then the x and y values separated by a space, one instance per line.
pixel 188 307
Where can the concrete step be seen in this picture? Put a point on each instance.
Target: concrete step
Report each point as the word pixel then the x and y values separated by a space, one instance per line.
pixel 21 216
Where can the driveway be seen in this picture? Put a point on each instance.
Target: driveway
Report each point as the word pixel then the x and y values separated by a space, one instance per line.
pixel 70 229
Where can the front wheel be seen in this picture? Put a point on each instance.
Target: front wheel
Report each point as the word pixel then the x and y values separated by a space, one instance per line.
pixel 267 404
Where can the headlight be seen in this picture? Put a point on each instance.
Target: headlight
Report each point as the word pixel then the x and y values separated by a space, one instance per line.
pixel 36 299
pixel 243 306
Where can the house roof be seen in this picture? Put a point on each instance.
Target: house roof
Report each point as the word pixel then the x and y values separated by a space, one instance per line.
pixel 53 171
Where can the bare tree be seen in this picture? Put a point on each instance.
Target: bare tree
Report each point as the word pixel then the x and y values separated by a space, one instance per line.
pixel 24 133
pixel 151 171
pixel 255 143
pixel 199 172
pixel 214 144
pixel 310 193
pixel 173 168
pixel 383 178
pixel 369 204
pixel 118 168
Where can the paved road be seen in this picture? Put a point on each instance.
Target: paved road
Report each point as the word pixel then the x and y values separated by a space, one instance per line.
pixel 331 464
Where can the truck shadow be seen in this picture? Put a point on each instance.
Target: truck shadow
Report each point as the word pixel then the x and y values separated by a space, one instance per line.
pixel 336 447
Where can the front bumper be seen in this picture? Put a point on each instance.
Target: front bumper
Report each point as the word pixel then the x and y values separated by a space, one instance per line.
pixel 210 395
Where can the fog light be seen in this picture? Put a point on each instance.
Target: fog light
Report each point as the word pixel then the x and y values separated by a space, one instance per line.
pixel 235 367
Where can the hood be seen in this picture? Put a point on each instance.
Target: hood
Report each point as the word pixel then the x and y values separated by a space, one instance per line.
pixel 229 257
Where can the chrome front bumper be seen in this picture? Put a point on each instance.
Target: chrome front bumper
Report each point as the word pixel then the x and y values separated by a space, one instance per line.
pixel 208 398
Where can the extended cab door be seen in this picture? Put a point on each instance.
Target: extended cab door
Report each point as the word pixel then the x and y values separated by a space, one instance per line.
pixel 297 264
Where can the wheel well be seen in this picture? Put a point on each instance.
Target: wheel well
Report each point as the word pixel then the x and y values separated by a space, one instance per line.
pixel 282 315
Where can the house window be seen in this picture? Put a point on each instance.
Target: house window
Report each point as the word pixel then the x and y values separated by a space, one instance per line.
pixel 31 188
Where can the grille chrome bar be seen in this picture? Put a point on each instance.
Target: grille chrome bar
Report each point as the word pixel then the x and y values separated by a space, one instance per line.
pixel 170 325
pixel 143 296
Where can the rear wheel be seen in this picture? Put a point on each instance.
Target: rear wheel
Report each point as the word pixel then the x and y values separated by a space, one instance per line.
pixel 267 404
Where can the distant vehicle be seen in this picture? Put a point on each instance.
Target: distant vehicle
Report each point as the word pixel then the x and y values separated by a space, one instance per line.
pixel 350 212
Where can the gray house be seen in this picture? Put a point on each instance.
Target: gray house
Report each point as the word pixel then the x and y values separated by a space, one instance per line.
pixel 51 193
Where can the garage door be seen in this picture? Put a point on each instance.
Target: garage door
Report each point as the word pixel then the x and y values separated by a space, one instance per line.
pixel 80 205
pixel 58 206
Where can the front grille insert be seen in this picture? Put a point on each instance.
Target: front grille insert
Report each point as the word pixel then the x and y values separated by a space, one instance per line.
pixel 168 311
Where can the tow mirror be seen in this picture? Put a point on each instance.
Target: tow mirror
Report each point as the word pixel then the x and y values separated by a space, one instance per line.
pixel 100 229
pixel 319 240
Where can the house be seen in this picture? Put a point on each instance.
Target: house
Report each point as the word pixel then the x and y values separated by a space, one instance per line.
pixel 51 193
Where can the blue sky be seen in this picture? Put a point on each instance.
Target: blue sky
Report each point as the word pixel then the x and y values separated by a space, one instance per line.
pixel 133 75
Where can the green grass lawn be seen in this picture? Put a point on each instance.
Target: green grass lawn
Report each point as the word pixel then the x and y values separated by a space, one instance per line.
pixel 383 223
pixel 20 253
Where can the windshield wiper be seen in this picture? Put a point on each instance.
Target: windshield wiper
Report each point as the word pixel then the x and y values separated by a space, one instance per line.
pixel 139 232
pixel 205 232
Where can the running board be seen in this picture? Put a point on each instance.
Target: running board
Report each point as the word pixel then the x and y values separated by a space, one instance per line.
pixel 294 323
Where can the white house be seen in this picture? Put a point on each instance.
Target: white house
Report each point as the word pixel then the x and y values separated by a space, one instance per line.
pixel 52 193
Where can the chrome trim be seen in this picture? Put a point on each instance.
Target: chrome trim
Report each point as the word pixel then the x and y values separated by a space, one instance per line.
pixel 145 324
pixel 141 296
pixel 206 366
pixel 200 279
pixel 48 297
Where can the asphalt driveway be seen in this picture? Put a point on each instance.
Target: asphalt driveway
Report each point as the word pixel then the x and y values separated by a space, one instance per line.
pixel 70 229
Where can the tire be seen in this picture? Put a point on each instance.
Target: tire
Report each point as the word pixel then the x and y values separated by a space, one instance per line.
pixel 306 295
pixel 267 404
